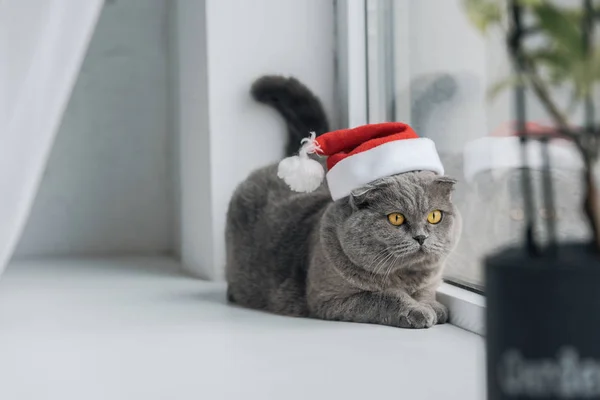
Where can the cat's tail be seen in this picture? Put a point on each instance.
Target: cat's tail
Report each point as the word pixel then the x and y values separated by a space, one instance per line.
pixel 300 108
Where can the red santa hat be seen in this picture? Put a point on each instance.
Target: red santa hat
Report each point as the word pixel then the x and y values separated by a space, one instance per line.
pixel 359 156
pixel 502 149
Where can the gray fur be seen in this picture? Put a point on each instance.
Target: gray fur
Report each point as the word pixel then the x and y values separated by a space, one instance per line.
pixel 305 255
pixel 300 108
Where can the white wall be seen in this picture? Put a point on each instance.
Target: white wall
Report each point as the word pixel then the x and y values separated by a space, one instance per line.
pixel 107 186
pixel 224 133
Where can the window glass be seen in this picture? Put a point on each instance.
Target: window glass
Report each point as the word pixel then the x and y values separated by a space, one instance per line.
pixel 429 67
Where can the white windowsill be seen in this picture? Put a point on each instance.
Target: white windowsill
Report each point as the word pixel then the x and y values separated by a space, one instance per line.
pixel 134 328
pixel 466 308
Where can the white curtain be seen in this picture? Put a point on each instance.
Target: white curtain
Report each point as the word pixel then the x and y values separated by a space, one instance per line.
pixel 42 46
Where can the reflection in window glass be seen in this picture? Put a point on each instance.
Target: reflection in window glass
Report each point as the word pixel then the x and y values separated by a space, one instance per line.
pixel 441 70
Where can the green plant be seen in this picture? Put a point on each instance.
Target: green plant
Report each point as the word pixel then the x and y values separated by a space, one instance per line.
pixel 564 57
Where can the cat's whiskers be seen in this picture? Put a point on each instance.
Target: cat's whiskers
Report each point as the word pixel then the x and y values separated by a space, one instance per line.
pixel 397 260
pixel 437 248
pixel 381 264
pixel 389 270
pixel 383 261
pixel 376 257
pixel 381 256
pixel 384 264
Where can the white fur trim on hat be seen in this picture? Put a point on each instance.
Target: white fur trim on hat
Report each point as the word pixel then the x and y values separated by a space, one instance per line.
pixel 492 153
pixel 387 159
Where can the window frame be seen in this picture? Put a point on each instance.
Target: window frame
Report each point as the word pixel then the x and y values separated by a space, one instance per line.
pixel 357 47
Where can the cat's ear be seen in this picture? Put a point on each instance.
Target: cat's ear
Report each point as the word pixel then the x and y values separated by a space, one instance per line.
pixel 444 185
pixel 369 193
pixel 361 198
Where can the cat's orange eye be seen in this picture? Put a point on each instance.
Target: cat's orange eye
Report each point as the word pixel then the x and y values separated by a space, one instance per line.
pixel 434 217
pixel 396 219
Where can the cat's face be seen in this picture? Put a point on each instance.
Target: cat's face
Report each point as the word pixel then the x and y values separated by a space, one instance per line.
pixel 407 221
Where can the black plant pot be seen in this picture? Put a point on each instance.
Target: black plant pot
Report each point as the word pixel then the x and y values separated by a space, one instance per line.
pixel 543 324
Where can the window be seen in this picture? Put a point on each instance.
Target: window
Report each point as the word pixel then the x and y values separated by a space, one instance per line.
pixel 428 66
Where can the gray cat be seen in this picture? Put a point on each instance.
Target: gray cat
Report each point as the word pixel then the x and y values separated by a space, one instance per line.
pixel 302 254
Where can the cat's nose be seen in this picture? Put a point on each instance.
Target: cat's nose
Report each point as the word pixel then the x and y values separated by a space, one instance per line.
pixel 421 239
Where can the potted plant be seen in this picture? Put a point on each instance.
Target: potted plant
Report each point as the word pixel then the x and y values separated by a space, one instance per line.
pixel 543 297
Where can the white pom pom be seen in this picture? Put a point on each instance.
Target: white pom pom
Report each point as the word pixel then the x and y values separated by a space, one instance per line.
pixel 301 173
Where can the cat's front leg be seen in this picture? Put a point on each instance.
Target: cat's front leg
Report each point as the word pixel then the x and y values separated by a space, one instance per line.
pixel 427 297
pixel 375 308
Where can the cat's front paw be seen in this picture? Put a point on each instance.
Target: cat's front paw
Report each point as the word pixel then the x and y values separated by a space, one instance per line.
pixel 419 317
pixel 441 312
